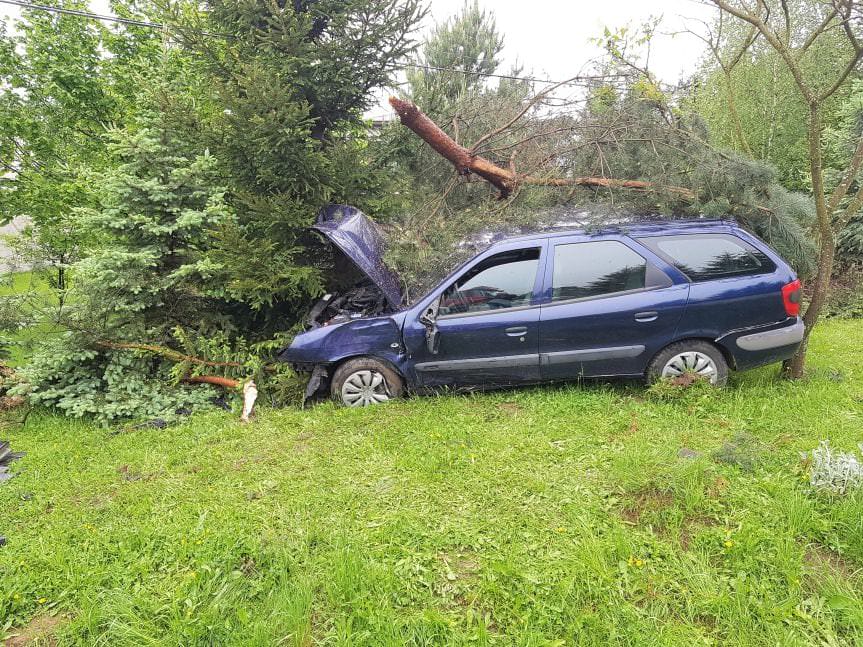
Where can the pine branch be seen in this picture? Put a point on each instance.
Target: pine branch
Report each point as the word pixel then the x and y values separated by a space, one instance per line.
pixel 506 180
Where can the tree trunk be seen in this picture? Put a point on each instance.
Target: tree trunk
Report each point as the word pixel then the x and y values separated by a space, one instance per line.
pixel 794 367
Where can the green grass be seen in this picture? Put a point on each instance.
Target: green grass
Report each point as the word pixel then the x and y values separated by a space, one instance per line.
pixel 546 516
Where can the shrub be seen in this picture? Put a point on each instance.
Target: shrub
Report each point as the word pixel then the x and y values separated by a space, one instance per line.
pixel 836 472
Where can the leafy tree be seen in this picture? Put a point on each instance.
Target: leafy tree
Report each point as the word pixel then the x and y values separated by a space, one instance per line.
pixel 793 42
pixel 749 98
pixel 65 79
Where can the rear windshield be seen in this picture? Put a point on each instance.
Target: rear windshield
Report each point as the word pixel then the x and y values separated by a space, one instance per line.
pixel 702 257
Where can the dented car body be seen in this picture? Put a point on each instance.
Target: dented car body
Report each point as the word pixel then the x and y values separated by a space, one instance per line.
pixel 651 300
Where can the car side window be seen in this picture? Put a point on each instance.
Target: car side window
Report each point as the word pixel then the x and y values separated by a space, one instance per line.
pixel 702 257
pixel 597 268
pixel 504 280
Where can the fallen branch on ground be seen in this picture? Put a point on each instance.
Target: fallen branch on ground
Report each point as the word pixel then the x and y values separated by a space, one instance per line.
pixel 217 380
pixel 167 353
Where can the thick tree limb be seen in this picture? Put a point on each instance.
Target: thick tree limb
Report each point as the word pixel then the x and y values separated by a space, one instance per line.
pixel 217 380
pixel 841 189
pixel 506 180
pixel 167 353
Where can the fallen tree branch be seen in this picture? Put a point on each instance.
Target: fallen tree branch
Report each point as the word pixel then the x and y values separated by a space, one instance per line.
pixel 217 380
pixel 163 351
pixel 506 180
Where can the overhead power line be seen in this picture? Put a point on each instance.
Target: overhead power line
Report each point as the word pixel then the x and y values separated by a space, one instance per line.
pixel 83 14
pixel 573 81
pixel 432 68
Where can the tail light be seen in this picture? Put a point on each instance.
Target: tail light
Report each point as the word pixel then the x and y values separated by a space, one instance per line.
pixel 791 297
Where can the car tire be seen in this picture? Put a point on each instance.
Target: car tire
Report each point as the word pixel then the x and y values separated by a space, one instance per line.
pixel 365 381
pixel 699 357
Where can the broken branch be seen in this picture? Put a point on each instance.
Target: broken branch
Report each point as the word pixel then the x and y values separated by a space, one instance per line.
pixel 506 180
pixel 216 380
pixel 168 353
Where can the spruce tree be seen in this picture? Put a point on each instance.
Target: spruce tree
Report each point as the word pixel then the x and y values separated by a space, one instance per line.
pixel 146 281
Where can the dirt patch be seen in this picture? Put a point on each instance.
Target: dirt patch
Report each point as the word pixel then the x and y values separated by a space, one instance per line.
pixel 819 558
pixel 41 630
pixel 509 407
pixel 643 502
pixel 129 474
pixel 242 464
pixel 690 527
pixel 716 489
pixel 302 443
pixel 461 565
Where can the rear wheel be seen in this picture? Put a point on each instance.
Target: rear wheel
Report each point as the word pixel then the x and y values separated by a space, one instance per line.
pixel 365 381
pixel 689 358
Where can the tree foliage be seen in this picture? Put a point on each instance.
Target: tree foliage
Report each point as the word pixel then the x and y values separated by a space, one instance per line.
pixel 290 82
pixel 65 80
pixel 245 119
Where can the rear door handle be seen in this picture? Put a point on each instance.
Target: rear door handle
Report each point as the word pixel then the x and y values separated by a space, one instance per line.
pixel 645 317
pixel 516 331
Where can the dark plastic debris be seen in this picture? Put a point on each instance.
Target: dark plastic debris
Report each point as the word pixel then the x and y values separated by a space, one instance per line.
pixel 222 402
pixel 2 541
pixel 6 457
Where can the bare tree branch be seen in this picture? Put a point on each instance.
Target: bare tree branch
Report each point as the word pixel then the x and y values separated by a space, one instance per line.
pixel 841 189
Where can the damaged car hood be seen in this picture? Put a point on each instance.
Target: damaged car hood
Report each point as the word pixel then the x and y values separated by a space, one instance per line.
pixel 361 241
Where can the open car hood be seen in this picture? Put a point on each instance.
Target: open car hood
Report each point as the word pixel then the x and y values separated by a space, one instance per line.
pixel 359 238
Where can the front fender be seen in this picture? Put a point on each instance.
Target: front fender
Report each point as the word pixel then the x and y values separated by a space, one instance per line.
pixel 378 336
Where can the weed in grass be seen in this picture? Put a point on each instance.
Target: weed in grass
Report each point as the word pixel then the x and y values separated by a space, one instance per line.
pixel 743 450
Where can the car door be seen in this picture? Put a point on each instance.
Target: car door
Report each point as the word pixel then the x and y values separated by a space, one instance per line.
pixel 608 306
pixel 486 324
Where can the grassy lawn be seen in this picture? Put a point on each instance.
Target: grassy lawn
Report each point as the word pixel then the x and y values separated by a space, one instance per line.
pixel 547 516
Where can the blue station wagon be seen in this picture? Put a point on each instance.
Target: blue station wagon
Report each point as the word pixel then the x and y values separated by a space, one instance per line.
pixel 651 300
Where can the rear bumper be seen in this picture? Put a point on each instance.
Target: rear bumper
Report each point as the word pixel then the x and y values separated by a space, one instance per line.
pixel 787 336
pixel 751 347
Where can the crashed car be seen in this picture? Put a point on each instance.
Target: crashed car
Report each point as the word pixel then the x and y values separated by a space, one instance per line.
pixel 652 300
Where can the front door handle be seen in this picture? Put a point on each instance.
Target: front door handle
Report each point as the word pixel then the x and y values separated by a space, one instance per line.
pixel 645 317
pixel 516 331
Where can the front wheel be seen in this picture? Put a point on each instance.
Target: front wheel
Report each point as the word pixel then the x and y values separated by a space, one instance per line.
pixel 365 381
pixel 695 358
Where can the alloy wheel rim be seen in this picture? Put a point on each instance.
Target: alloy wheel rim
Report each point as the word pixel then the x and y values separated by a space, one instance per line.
pixel 691 362
pixel 364 388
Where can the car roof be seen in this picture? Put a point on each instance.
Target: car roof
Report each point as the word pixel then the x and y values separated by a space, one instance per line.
pixel 635 229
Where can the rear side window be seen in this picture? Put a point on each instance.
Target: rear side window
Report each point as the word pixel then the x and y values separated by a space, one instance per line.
pixel 583 270
pixel 702 257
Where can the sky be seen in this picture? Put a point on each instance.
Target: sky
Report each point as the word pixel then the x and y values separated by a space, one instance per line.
pixel 552 38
